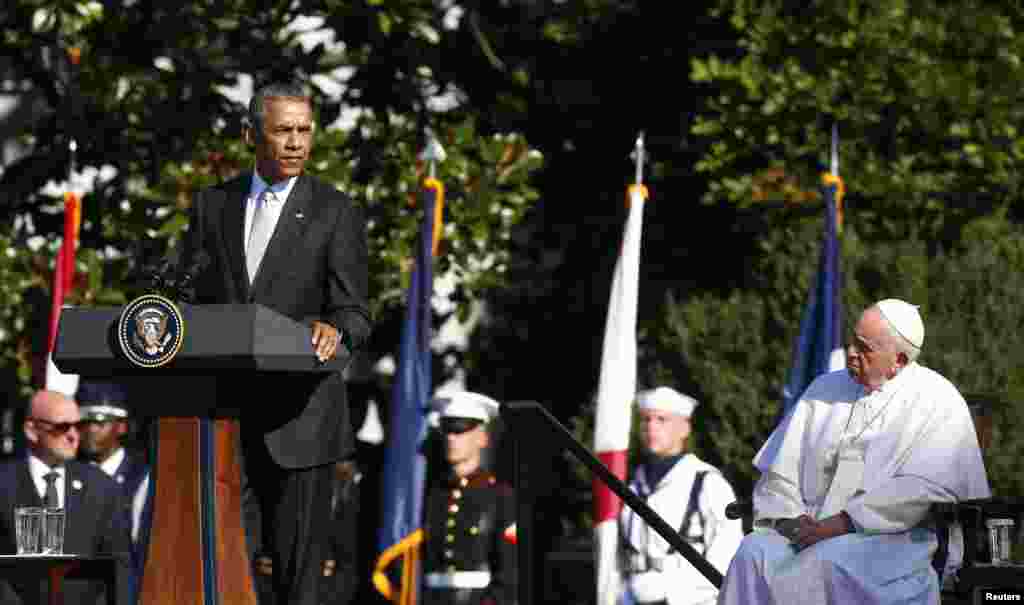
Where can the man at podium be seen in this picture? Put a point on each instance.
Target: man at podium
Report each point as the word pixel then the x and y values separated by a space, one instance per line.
pixel 294 244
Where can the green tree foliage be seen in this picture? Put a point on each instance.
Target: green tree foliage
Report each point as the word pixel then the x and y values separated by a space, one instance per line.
pixel 926 96
pixel 150 97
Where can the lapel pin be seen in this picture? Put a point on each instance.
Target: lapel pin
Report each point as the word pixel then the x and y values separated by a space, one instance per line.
pixel 299 215
pixel 76 484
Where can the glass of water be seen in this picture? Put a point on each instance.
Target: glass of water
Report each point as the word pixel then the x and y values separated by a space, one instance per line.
pixel 1000 539
pixel 53 532
pixel 28 527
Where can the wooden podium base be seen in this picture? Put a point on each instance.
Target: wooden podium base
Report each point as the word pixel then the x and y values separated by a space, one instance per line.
pixel 197 552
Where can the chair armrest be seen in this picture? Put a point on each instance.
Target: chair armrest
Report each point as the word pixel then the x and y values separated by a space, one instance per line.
pixel 740 509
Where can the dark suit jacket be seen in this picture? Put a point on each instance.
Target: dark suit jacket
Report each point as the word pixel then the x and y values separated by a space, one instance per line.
pixel 315 268
pixel 95 524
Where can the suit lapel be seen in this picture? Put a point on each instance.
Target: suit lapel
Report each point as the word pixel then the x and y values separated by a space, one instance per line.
pixel 291 225
pixel 73 519
pixel 72 496
pixel 28 495
pixel 232 228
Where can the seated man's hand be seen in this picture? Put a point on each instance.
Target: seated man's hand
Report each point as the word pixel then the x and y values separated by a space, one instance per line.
pixel 811 532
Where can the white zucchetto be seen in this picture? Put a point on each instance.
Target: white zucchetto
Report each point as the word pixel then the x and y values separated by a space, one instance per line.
pixel 904 318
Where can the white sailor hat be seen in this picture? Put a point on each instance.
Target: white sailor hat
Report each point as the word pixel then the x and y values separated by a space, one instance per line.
pixel 666 399
pixel 904 318
pixel 468 405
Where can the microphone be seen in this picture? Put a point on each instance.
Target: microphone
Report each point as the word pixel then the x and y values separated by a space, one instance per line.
pixel 161 276
pixel 185 284
pixel 175 281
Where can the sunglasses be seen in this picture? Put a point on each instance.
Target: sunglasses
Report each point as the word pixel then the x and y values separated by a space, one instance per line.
pixel 57 428
pixel 457 426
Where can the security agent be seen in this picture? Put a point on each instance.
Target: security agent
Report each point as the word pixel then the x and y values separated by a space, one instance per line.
pixel 469 548
pixel 104 428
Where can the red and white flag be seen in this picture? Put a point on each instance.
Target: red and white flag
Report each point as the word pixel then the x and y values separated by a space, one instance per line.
pixel 615 394
pixel 63 280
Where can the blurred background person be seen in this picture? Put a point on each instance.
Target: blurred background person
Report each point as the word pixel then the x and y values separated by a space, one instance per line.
pixel 341 567
pixel 105 429
pixel 469 554
pixel 688 494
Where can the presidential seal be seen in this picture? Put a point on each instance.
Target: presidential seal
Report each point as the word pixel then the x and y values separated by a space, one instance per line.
pixel 150 331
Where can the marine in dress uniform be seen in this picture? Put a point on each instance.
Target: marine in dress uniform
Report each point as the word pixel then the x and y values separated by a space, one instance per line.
pixel 469 555
pixel 689 494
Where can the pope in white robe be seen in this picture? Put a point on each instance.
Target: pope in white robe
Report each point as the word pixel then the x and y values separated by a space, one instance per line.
pixel 858 461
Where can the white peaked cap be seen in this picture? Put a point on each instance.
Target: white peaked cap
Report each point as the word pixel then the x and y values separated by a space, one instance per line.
pixel 666 400
pixel 466 404
pixel 904 318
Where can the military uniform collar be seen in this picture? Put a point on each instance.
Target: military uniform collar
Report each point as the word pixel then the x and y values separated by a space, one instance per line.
pixel 479 478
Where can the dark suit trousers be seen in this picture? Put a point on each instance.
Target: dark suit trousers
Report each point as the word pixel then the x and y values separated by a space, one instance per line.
pixel 287 517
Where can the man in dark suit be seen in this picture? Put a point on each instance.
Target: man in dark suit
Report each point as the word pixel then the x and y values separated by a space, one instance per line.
pixel 94 522
pixel 295 244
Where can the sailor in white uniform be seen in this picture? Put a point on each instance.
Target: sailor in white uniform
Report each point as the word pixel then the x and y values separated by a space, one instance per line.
pixel 689 494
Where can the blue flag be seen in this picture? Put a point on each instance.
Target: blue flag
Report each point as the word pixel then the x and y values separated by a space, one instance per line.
pixel 400 534
pixel 819 348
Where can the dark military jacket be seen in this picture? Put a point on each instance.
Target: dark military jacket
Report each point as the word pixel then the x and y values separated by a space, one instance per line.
pixel 469 527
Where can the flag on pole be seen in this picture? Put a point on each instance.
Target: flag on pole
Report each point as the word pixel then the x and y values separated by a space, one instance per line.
pixel 615 394
pixel 63 280
pixel 400 534
pixel 819 348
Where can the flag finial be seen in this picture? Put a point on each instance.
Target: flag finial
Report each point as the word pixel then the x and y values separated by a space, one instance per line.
pixel 639 156
pixel 834 163
pixel 432 154
pixel 72 150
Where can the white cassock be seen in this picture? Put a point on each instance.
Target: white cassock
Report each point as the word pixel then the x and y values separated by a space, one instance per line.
pixel 883 457
pixel 678 581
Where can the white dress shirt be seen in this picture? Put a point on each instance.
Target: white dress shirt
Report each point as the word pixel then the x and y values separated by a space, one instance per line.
pixel 37 468
pixel 109 466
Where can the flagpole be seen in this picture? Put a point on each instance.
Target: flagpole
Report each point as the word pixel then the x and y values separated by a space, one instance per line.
pixel 432 154
pixel 639 155
pixel 400 533
pixel 617 386
pixel 834 160
pixel 818 348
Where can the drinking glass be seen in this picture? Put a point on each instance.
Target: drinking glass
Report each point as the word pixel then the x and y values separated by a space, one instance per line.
pixel 53 531
pixel 28 527
pixel 1000 539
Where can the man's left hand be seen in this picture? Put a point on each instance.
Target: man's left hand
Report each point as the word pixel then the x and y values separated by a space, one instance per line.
pixel 326 339
pixel 811 532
